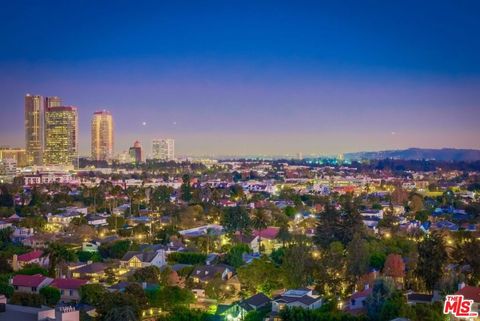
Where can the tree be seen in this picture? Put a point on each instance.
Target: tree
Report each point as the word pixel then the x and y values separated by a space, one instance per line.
pixel 92 294
pixel 416 202
pixel 290 211
pixel 463 255
pixel 115 222
pixel 6 290
pixel 394 266
pixel 170 297
pixel 150 274
pixel 26 299
pixel 187 258
pixel 330 272
pixel 260 222
pixel 137 292
pixel 124 313
pixel 284 234
pixel 382 290
pixel 50 295
pixel 109 307
pixel 297 265
pixel 116 250
pixel 186 189
pixel 235 254
pixel 335 226
pixel 261 275
pixel 358 257
pixel 185 314
pixel 32 269
pixel 58 254
pixel 432 257
pixel 236 219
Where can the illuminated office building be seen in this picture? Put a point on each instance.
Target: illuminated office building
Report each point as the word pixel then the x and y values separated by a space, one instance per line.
pixel 52 101
pixel 61 135
pixel 163 149
pixel 34 144
pixel 136 152
pixel 18 155
pixel 102 135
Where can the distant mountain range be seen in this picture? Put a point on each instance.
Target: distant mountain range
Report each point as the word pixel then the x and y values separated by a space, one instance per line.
pixel 444 154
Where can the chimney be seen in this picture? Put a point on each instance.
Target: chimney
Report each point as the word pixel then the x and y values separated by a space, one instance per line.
pixel 15 266
pixel 461 285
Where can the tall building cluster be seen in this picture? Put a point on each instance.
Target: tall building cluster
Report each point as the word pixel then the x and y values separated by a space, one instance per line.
pixel 51 136
pixel 51 132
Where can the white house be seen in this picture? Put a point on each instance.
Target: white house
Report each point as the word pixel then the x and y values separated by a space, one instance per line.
pixel 303 298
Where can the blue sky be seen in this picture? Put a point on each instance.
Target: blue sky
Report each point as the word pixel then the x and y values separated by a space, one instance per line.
pixel 251 77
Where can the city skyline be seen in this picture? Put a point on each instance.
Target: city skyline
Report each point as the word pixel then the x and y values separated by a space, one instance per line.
pixel 270 79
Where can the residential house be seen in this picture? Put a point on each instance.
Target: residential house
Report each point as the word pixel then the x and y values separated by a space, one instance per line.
pixel 239 310
pixel 138 259
pixel 30 283
pixel 93 271
pixel 90 246
pixel 268 239
pixel 63 219
pixel 33 257
pixel 251 240
pixel 357 301
pixel 69 289
pixel 96 220
pixel 470 293
pixel 205 273
pixel 303 298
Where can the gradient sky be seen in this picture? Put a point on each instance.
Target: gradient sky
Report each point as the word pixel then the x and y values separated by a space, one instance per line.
pixel 250 77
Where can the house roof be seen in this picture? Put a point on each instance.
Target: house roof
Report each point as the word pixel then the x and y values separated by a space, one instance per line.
pixel 419 297
pixel 30 256
pixel 268 233
pixel 208 272
pixel 306 299
pixel 361 294
pixel 142 256
pixel 470 293
pixel 91 268
pixel 257 300
pixel 68 283
pixel 28 280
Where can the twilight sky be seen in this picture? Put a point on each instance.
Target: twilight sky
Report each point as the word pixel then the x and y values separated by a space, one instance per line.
pixel 250 77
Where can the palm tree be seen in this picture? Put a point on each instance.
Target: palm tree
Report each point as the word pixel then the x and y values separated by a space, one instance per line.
pixel 58 254
pixel 121 313
pixel 259 222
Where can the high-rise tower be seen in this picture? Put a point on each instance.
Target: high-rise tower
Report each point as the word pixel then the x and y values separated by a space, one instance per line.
pixel 163 149
pixel 102 135
pixel 61 135
pixel 34 129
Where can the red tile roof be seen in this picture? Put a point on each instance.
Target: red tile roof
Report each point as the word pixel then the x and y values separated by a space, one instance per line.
pixel 28 280
pixel 30 256
pixel 470 293
pixel 361 294
pixel 68 283
pixel 268 233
